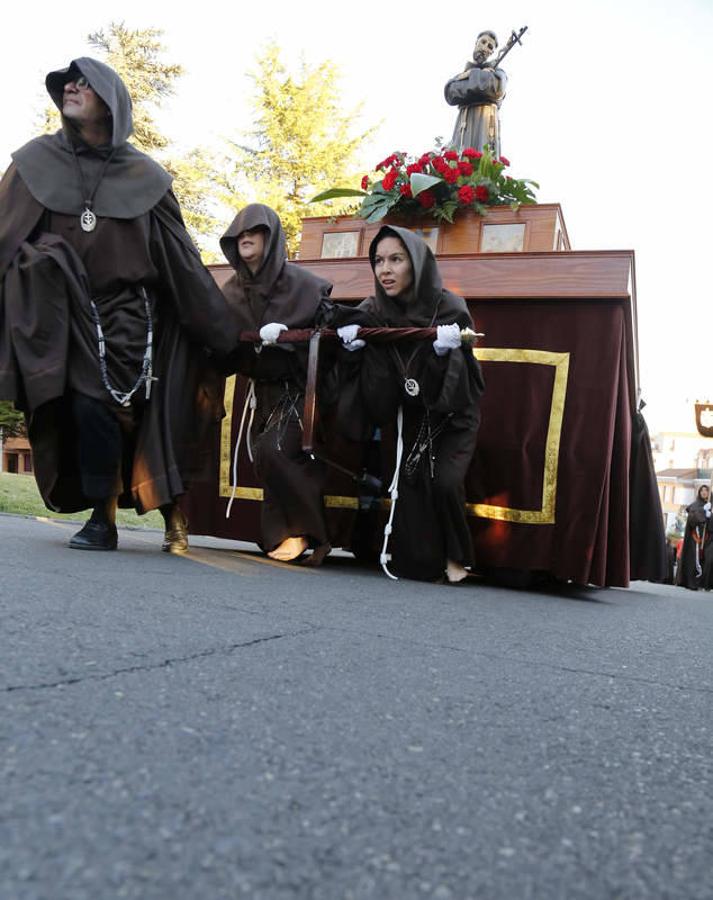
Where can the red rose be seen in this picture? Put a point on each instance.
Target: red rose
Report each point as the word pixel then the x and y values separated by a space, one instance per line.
pixel 465 168
pixel 504 160
pixel 466 195
pixel 405 190
pixel 482 194
pixel 414 168
pixel 365 182
pixel 472 152
pixel 450 154
pixel 427 199
pixel 450 175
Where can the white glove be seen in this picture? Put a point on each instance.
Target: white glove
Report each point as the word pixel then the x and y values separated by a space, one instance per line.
pixel 348 336
pixel 447 338
pixel 270 333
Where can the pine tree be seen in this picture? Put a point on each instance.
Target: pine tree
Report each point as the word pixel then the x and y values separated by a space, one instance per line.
pixel 303 141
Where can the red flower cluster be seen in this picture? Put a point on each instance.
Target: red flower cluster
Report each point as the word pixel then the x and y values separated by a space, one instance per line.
pixel 389 161
pixel 466 195
pixel 405 191
pixel 389 179
pixel 472 153
pixel 504 160
pixel 482 194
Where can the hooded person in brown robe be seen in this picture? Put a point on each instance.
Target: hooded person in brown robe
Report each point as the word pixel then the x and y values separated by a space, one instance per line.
pixel 695 567
pixel 268 295
pixel 107 315
pixel 432 389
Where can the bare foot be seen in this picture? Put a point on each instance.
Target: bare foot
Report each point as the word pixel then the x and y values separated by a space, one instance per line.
pixel 319 554
pixel 289 549
pixel 455 572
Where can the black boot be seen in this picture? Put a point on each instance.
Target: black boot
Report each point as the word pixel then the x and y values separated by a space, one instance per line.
pixel 99 533
pixel 175 540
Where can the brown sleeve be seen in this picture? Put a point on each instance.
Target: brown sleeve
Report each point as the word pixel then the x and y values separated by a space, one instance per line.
pixel 19 214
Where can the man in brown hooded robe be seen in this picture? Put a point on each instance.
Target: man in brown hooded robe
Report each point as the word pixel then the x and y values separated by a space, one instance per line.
pixel 429 391
pixel 269 295
pixel 107 315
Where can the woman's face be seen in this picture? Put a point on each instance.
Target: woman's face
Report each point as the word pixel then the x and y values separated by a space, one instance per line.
pixel 251 246
pixel 392 267
pixel 703 493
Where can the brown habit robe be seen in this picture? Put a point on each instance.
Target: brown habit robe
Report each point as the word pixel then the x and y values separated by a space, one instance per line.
pixel 50 270
pixel 293 483
pixel 430 524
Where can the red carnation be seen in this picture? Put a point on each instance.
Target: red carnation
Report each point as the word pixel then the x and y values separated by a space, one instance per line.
pixel 440 165
pixel 472 152
pixel 405 190
pixel 481 193
pixel 425 159
pixel 389 180
pixel 414 168
pixel 504 160
pixel 365 182
pixel 466 195
pixel 450 154
pixel 450 175
pixel 465 168
pixel 427 199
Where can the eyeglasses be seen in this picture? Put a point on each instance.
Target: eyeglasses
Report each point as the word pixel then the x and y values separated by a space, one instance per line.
pixel 80 82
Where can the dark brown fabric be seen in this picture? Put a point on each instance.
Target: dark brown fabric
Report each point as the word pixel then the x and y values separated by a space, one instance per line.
pixel 293 483
pixel 49 345
pixel 647 537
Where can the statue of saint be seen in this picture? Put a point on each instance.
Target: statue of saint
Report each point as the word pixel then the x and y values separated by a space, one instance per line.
pixel 478 91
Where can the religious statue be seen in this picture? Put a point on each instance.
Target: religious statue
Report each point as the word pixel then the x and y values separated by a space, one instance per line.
pixel 478 91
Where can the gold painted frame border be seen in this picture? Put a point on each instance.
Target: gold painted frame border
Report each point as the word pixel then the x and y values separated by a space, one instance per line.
pixel 546 514
pixel 543 516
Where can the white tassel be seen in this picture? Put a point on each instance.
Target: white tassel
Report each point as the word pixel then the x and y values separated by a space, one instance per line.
pixel 250 402
pixel 393 493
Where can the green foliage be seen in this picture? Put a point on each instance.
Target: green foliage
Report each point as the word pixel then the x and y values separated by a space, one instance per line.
pixel 12 422
pixel 303 141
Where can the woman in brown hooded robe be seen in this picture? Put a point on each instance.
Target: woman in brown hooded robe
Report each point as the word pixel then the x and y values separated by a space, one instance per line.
pixel 269 295
pixel 695 567
pixel 430 391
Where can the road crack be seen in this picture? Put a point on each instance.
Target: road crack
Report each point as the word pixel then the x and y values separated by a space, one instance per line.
pixel 163 664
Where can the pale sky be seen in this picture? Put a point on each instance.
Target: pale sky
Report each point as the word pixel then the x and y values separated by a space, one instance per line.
pixel 608 108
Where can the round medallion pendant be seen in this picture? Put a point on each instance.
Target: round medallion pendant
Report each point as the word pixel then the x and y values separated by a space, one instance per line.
pixel 412 387
pixel 88 220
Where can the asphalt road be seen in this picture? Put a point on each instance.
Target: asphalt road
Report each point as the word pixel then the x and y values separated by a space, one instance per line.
pixel 220 726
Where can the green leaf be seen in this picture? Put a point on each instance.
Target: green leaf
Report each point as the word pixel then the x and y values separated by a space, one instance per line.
pixel 421 182
pixel 337 192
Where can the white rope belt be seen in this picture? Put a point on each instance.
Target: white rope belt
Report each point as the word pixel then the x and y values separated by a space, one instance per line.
pixel 393 493
pixel 250 403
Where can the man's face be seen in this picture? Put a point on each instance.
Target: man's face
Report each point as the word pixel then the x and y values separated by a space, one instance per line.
pixel 484 47
pixel 251 246
pixel 81 105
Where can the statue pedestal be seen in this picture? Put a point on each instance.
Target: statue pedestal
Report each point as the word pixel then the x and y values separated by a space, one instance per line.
pixel 534 228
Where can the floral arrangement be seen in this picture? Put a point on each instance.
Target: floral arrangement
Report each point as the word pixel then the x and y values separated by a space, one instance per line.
pixel 438 183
